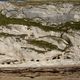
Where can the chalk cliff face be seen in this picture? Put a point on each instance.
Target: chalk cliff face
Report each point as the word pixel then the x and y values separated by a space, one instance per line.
pixel 42 35
pixel 49 13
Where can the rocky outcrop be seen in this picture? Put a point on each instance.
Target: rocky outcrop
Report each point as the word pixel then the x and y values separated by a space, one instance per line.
pixel 44 13
pixel 50 37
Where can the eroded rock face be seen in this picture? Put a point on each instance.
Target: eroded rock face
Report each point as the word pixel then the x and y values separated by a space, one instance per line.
pixel 45 13
pixel 23 44
pixel 43 44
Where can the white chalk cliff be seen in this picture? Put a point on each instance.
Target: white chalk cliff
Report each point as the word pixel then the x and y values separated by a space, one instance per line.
pixel 38 36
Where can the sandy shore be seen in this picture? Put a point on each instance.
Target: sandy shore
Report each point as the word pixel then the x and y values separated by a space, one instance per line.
pixel 29 74
pixel 45 76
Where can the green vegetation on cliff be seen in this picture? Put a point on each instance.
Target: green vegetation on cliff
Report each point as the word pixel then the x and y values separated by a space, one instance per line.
pixel 61 27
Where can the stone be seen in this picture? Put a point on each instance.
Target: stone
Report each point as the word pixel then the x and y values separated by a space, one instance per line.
pixel 46 41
